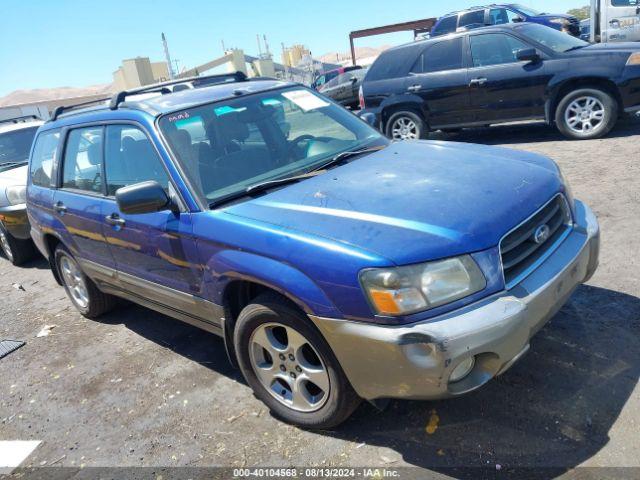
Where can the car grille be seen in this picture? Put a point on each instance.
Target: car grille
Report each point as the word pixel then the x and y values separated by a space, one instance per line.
pixel 527 245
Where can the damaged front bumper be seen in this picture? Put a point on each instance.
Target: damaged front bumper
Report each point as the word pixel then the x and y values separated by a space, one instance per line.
pixel 415 361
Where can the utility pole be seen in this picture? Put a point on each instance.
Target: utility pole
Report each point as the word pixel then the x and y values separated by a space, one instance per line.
pixel 168 57
pixel 285 62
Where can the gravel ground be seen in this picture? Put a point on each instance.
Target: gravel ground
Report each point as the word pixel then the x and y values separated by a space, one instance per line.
pixel 139 389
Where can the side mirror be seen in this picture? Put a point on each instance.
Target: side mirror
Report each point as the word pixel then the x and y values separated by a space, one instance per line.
pixel 517 20
pixel 144 197
pixel 528 55
pixel 353 79
pixel 370 118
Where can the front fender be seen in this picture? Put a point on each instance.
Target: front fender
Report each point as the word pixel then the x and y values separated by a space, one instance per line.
pixel 230 265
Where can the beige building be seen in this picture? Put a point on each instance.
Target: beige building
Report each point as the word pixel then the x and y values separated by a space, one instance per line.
pixel 291 56
pixel 139 71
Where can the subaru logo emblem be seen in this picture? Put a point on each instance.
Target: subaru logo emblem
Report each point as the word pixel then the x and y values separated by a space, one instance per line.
pixel 541 234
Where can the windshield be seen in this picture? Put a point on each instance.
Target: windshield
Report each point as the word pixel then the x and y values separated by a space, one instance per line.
pixel 529 12
pixel 225 147
pixel 15 146
pixel 554 39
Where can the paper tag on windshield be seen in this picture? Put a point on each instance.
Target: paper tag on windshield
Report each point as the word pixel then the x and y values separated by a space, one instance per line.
pixel 305 100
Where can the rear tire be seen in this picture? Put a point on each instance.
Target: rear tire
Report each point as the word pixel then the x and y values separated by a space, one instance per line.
pixel 82 292
pixel 295 355
pixel 586 113
pixel 406 125
pixel 16 250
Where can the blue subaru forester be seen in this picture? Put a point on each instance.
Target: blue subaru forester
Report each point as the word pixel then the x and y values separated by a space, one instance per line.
pixel 336 265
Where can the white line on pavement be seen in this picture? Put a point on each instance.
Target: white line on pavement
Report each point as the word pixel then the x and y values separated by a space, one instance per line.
pixel 14 452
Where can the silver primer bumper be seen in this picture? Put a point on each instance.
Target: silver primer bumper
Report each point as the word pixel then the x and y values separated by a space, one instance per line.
pixel 415 361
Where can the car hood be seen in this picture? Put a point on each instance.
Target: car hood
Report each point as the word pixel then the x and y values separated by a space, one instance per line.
pixel 415 201
pixel 14 176
pixel 610 47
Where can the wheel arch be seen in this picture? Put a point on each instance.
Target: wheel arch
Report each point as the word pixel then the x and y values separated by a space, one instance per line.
pixel 410 103
pixel 563 88
pixel 50 242
pixel 238 287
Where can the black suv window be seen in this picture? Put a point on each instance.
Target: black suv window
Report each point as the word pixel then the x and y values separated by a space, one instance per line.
pixel 82 168
pixel 44 153
pixel 442 56
pixel 130 158
pixel 494 49
pixel 475 17
pixel 499 16
pixel 446 25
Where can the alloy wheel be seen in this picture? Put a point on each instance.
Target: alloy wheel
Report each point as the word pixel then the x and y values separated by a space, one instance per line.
pixel 4 242
pixel 289 367
pixel 404 128
pixel 73 279
pixel 585 115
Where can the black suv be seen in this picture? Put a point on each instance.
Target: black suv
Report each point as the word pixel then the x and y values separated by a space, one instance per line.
pixel 502 74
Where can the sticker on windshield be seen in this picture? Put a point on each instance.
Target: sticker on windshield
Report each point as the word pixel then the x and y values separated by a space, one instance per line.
pixel 305 100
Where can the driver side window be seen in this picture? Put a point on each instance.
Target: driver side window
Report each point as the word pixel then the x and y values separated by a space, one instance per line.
pixel 494 49
pixel 82 167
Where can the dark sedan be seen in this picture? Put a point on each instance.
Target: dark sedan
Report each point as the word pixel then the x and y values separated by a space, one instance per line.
pixel 502 74
pixel 342 87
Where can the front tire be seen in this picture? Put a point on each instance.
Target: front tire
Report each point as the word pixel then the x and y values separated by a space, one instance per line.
pixel 17 251
pixel 81 290
pixel 406 125
pixel 586 113
pixel 289 365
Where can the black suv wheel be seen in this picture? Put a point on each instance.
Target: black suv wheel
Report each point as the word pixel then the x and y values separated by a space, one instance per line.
pixel 586 113
pixel 289 365
pixel 406 125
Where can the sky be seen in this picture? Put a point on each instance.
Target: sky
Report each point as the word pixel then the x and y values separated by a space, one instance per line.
pixel 54 43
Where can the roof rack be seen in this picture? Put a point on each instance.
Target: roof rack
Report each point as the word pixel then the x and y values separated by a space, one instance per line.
pixel 206 80
pixel 65 108
pixel 20 119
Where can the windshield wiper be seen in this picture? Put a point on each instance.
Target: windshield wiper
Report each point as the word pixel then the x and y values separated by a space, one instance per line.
pixel 13 164
pixel 576 47
pixel 342 156
pixel 262 186
pixel 259 187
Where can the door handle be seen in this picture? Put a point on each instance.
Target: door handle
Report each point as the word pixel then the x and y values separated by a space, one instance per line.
pixel 60 208
pixel 115 220
pixel 477 81
pixel 414 88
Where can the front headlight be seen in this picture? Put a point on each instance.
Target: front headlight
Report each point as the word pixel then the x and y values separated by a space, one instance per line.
pixel 568 193
pixel 17 194
pixel 410 289
pixel 634 59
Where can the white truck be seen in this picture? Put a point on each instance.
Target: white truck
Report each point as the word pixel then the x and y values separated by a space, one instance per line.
pixel 615 21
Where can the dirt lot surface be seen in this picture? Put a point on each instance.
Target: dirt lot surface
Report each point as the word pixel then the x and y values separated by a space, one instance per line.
pixel 139 389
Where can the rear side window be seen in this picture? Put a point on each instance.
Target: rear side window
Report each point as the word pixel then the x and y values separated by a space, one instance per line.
pixel 494 49
pixel 439 57
pixel 472 18
pixel 130 158
pixel 624 3
pixel 393 63
pixel 44 153
pixel 446 25
pixel 82 167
